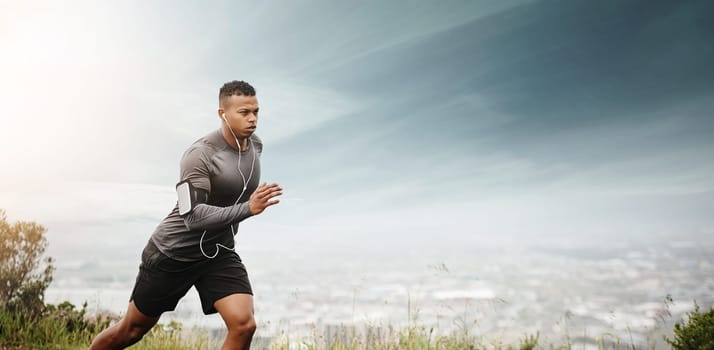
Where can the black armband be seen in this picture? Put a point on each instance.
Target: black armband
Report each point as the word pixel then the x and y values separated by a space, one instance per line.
pixel 189 197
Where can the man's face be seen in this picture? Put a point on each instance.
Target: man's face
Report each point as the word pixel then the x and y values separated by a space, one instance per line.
pixel 242 113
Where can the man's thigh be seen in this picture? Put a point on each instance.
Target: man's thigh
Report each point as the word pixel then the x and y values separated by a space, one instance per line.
pixel 235 309
pixel 221 278
pixel 161 283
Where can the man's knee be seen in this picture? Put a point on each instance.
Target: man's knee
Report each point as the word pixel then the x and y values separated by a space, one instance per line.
pixel 135 332
pixel 120 335
pixel 132 332
pixel 245 325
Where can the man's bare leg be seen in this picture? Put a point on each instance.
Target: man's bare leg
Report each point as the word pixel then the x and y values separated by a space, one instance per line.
pixel 237 312
pixel 129 330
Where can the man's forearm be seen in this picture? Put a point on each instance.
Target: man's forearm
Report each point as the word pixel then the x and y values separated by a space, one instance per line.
pixel 208 217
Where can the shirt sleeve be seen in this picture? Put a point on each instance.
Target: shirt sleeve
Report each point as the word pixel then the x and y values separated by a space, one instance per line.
pixel 209 217
pixel 195 169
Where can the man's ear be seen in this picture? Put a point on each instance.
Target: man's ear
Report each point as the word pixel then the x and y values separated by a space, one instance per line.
pixel 220 112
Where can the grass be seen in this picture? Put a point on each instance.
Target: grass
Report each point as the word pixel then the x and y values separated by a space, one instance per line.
pixel 412 337
pixel 64 326
pixel 68 328
pixel 45 335
pixel 172 336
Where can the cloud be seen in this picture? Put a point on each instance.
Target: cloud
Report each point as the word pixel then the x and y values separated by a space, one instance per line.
pixel 89 203
pixel 529 88
pixel 386 113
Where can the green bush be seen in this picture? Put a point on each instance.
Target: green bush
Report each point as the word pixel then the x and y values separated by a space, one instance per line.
pixel 697 333
pixel 22 280
pixel 25 319
pixel 62 325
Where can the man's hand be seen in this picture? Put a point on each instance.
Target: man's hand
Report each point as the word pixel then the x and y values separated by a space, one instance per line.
pixel 260 199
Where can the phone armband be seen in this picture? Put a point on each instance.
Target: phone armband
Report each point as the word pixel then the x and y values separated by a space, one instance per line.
pixel 189 197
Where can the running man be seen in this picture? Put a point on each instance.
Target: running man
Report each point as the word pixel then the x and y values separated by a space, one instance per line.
pixel 194 245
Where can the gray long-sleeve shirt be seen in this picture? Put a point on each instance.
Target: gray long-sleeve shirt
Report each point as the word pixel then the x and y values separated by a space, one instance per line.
pixel 211 164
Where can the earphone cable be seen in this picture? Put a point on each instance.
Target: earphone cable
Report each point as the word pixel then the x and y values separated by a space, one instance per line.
pixel 245 186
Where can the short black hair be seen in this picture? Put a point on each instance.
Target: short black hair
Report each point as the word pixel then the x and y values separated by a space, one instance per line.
pixel 235 87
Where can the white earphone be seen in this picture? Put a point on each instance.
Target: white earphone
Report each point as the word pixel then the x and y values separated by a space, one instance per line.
pixel 245 186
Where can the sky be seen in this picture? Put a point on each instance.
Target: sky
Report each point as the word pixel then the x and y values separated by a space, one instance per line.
pixel 451 123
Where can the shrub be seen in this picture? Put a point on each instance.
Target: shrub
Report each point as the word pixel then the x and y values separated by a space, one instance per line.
pixel 22 286
pixel 697 333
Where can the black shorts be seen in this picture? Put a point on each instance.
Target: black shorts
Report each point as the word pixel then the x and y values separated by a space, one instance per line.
pixel 163 281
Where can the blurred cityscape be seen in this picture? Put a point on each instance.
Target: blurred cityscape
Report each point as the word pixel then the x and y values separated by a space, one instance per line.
pixel 630 292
